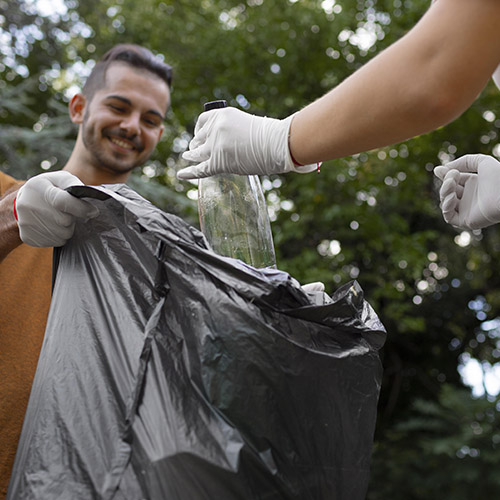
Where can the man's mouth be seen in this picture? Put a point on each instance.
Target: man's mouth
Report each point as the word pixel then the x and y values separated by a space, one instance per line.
pixel 121 143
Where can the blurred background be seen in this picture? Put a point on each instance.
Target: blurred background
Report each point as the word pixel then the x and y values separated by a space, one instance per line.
pixel 373 217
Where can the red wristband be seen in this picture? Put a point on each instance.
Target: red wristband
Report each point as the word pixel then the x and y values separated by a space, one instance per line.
pixel 15 211
pixel 295 162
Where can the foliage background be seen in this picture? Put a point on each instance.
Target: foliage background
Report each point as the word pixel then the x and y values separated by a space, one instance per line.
pixel 373 217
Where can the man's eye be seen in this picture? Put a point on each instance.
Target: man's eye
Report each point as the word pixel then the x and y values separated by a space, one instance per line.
pixel 151 123
pixel 119 109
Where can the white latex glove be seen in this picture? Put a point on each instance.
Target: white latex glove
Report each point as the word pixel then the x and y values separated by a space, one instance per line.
pixel 231 141
pixel 470 194
pixel 316 292
pixel 315 287
pixel 46 212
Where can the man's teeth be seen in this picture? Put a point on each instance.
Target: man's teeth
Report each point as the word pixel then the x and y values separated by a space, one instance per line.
pixel 121 143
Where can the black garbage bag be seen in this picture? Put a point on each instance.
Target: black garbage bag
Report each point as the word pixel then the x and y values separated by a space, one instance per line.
pixel 171 373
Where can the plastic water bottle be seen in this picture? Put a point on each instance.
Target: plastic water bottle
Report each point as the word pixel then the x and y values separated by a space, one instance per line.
pixel 233 215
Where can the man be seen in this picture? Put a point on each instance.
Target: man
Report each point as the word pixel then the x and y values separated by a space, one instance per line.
pixel 423 81
pixel 119 125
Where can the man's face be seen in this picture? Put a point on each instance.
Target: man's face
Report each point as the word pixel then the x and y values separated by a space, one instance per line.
pixel 124 121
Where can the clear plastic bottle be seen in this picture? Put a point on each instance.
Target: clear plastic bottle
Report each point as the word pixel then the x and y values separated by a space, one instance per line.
pixel 233 215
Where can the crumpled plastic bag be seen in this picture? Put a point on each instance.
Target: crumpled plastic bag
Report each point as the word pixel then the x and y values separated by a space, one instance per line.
pixel 169 372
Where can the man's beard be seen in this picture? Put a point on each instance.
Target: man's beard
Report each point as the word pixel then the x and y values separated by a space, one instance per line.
pixel 107 161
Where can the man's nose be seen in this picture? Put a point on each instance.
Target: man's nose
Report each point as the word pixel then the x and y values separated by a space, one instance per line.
pixel 131 124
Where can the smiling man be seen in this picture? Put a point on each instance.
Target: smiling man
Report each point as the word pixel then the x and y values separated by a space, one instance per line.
pixel 120 114
pixel 120 123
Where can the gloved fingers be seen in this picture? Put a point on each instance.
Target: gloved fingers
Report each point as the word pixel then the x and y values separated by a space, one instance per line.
pixel 459 190
pixel 36 236
pixel 450 183
pixel 214 122
pixel 64 219
pixel 448 194
pixel 441 171
pixel 198 154
pixel 205 118
pixel 64 202
pixel 457 184
pixel 316 293
pixel 195 171
pixel 449 206
pixel 466 163
pixel 199 139
pixel 463 178
pixel 61 179
pixel 316 286
pixel 202 128
pixel 46 211
pixel 231 141
pixel 62 235
pixel 469 195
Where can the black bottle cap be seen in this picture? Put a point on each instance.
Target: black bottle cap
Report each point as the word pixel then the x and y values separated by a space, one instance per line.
pixel 214 105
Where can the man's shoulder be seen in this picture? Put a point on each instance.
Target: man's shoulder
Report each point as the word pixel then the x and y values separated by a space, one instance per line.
pixel 7 183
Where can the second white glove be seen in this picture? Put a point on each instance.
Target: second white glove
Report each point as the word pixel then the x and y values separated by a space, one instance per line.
pixel 46 212
pixel 231 141
pixel 470 193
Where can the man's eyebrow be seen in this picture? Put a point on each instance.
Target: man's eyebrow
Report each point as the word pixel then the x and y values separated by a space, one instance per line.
pixel 120 98
pixel 129 103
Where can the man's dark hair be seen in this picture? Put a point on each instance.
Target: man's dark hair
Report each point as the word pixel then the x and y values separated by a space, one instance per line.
pixel 131 54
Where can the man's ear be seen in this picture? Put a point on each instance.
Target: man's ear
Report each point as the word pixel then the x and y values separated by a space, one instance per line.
pixel 77 108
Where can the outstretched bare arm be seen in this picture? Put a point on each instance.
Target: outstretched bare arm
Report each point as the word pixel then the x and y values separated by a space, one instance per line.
pixel 423 81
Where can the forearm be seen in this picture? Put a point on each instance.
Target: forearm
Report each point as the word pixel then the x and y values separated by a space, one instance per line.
pixel 9 231
pixel 420 83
